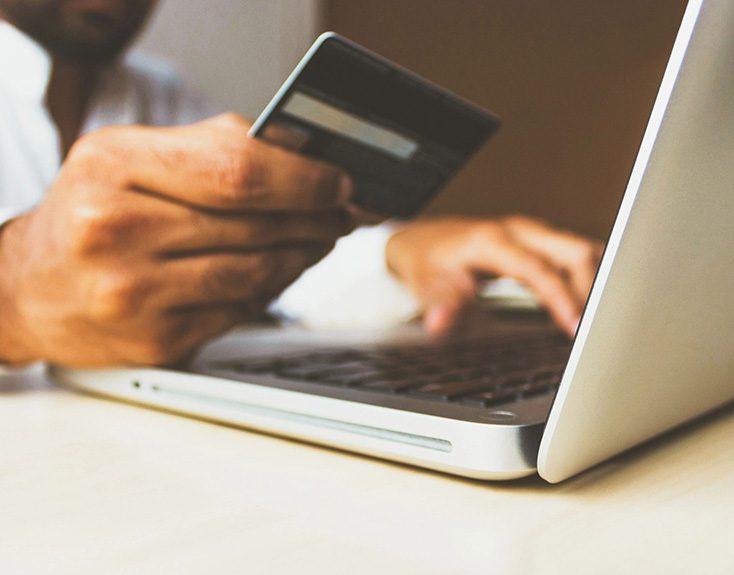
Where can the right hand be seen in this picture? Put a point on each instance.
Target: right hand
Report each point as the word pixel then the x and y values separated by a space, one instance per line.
pixel 442 259
pixel 154 240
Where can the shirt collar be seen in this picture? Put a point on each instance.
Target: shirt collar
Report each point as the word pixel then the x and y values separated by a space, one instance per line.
pixel 25 66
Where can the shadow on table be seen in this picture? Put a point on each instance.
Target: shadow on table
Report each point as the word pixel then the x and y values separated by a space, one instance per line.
pixel 641 461
pixel 27 380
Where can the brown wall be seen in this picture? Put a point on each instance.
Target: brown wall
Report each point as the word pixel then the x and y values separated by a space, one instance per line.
pixel 572 80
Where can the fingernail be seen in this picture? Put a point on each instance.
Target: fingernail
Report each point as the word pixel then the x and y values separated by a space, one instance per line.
pixel 573 325
pixel 434 320
pixel 345 189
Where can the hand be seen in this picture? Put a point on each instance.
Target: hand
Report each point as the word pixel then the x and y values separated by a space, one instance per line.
pixel 152 241
pixel 440 260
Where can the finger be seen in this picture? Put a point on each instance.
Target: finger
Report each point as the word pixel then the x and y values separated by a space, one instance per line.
pixel 577 256
pixel 503 257
pixel 440 318
pixel 232 277
pixel 176 337
pixel 171 229
pixel 207 232
pixel 215 165
pixel 200 325
pixel 445 299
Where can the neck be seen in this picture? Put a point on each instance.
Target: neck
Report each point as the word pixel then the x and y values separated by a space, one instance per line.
pixel 69 92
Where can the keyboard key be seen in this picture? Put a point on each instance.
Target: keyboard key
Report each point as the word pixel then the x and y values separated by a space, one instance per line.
pixel 477 373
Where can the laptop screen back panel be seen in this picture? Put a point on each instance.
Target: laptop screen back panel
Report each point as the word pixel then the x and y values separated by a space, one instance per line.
pixel 656 344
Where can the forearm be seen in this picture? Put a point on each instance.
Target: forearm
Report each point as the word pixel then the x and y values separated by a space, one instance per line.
pixel 12 349
pixel 11 352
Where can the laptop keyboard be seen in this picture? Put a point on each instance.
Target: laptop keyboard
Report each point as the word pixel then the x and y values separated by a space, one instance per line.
pixel 479 373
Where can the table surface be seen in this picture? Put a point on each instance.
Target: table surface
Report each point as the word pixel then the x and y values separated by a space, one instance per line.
pixel 93 486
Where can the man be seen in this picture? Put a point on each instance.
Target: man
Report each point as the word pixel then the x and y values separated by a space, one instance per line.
pixel 136 244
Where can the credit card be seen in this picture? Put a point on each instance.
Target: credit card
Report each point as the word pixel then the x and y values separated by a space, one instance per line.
pixel 400 137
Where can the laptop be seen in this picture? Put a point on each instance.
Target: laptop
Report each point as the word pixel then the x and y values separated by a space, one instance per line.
pixel 509 396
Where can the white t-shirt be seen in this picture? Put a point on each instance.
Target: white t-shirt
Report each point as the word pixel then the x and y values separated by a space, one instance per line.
pixel 349 288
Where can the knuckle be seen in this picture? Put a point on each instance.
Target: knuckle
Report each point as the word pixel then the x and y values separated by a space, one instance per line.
pixel 117 296
pixel 88 229
pixel 97 228
pixel 98 156
pixel 240 179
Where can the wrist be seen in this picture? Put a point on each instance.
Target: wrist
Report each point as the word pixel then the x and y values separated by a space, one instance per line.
pixel 394 252
pixel 12 349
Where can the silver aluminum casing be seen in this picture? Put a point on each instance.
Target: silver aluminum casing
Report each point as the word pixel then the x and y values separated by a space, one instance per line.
pixel 473 442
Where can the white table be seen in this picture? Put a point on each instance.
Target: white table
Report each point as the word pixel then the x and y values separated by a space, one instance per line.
pixel 93 486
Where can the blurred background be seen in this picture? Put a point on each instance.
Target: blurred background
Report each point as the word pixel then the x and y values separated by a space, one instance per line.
pixel 572 80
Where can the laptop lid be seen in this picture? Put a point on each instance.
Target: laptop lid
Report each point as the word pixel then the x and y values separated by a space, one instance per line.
pixel 656 344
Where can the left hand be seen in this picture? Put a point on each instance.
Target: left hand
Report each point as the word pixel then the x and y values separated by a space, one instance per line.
pixel 440 261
